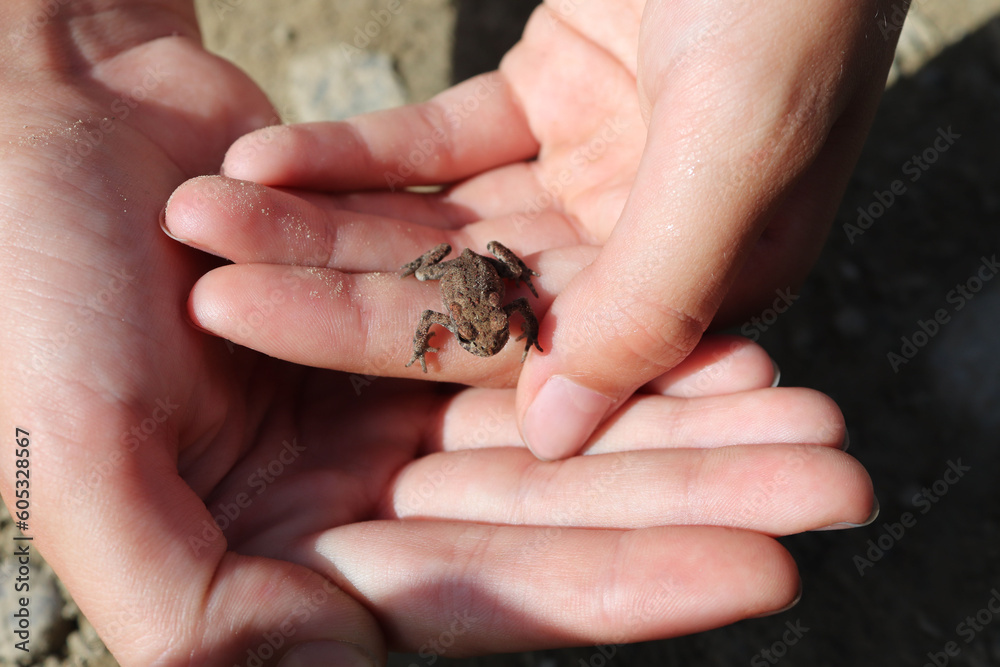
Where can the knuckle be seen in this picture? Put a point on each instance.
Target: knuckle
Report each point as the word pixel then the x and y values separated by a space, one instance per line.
pixel 435 135
pixel 655 332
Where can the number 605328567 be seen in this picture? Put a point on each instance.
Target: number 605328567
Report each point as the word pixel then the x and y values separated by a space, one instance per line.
pixel 22 440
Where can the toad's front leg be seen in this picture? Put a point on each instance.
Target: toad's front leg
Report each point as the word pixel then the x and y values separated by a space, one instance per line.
pixel 427 266
pixel 423 336
pixel 530 330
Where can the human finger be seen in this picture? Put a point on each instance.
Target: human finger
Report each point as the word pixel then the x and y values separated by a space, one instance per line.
pixel 770 489
pixel 464 131
pixel 720 364
pixel 476 588
pixel 483 418
pixel 641 307
pixel 359 323
pixel 250 223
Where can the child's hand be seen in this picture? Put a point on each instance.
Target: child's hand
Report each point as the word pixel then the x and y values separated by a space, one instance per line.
pixel 320 286
pixel 193 497
pixel 701 146
pixel 428 508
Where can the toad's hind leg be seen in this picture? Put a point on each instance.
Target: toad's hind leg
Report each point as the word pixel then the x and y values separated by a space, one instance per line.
pixel 530 324
pixel 423 336
pixel 510 266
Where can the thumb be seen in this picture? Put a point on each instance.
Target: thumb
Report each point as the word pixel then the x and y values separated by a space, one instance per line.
pixel 728 138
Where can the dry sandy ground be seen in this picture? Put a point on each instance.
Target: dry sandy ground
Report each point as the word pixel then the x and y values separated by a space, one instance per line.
pixel 868 292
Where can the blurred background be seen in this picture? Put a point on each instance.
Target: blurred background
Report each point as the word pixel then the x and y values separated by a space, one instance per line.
pixel 927 428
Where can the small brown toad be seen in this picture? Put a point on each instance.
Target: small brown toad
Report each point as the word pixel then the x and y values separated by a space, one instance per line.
pixel 472 290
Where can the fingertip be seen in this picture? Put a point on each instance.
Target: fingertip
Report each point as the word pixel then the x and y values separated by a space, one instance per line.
pixel 562 417
pixel 794 602
pixel 720 364
pixel 165 228
pixel 248 158
pixel 192 214
pixel 846 525
pixel 174 212
pixel 207 311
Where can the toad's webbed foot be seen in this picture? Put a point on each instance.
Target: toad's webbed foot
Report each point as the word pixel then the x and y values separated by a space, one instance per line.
pixel 423 334
pixel 530 324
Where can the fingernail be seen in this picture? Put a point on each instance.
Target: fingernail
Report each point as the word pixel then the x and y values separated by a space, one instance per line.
pixel 163 225
pixel 845 525
pixel 847 441
pixel 777 374
pixel 562 417
pixel 798 597
pixel 327 654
